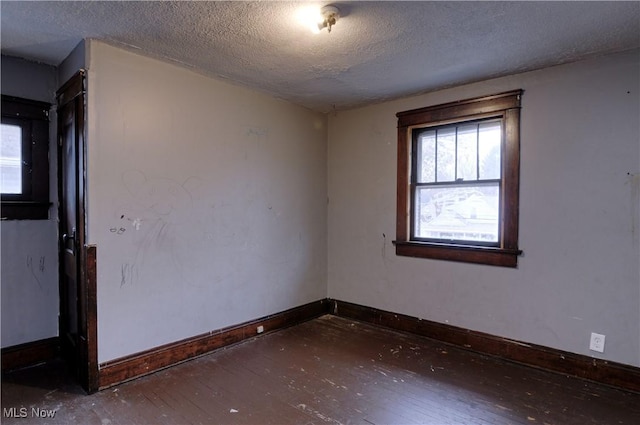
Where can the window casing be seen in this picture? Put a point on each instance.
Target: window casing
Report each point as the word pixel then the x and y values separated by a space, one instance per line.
pixel 24 159
pixel 458 181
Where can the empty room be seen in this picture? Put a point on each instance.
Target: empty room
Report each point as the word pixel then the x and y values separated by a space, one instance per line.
pixel 271 212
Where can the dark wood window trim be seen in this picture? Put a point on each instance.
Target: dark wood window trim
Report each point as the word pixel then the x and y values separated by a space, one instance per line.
pixel 33 117
pixel 505 106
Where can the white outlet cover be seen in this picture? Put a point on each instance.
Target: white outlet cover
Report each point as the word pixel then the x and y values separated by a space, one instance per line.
pixel 260 329
pixel 597 342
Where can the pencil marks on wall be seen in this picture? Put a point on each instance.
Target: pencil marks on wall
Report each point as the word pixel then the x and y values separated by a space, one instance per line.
pixel 153 218
pixel 36 272
pixel 257 133
pixel 118 231
pixel 168 226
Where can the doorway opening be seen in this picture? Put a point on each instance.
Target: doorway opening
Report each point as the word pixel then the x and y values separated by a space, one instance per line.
pixel 78 306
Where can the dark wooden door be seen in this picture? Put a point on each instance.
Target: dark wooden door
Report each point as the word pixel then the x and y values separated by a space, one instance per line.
pixel 76 300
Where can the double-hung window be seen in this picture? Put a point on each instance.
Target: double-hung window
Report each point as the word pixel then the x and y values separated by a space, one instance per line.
pixel 458 178
pixel 24 159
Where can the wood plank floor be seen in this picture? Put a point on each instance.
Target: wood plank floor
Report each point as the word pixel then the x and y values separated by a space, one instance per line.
pixel 327 371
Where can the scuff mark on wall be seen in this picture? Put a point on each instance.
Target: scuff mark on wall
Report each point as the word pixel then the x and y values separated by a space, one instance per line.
pixel 128 273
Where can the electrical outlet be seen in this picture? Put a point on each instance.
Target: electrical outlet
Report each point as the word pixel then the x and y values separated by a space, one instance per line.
pixel 260 329
pixel 597 342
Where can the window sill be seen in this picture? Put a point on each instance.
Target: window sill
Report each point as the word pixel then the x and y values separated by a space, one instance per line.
pixel 25 210
pixel 463 253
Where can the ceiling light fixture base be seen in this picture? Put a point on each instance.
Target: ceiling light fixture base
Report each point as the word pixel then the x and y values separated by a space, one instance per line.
pixel 330 15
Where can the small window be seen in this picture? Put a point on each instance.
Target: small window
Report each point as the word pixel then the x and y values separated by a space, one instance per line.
pixel 24 159
pixel 458 178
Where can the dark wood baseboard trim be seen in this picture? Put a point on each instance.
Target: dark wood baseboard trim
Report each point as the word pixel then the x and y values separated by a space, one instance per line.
pixel 602 371
pixel 30 353
pixel 149 361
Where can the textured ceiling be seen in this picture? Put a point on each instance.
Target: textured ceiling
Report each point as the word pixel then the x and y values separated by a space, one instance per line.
pixel 376 51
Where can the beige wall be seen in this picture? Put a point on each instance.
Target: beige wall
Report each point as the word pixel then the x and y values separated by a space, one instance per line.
pixel 29 263
pixel 207 202
pixel 579 200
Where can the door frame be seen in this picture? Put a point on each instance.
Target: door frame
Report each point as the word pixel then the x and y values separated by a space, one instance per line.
pixel 86 355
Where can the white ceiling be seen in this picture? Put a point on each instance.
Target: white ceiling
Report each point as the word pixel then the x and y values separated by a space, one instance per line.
pixel 376 51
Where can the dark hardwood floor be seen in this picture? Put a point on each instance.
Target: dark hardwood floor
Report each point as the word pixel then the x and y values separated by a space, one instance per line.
pixel 326 371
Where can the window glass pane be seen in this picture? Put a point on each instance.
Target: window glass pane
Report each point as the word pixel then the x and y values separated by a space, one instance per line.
pixel 11 159
pixel 446 141
pixel 427 157
pixel 459 213
pixel 468 152
pixel 489 136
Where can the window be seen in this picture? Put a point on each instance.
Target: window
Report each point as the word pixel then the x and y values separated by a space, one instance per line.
pixel 24 159
pixel 458 181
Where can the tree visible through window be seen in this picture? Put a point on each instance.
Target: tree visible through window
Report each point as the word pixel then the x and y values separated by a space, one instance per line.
pixel 458 167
